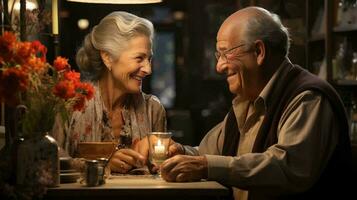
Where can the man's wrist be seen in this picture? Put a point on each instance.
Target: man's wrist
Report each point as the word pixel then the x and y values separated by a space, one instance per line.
pixel 183 149
pixel 204 165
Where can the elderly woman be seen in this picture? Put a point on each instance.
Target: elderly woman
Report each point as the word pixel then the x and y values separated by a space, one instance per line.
pixel 116 57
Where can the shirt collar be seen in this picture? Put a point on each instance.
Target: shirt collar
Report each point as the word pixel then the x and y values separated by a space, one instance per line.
pixel 281 72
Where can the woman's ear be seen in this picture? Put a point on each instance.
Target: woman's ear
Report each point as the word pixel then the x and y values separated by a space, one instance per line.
pixel 106 60
pixel 260 51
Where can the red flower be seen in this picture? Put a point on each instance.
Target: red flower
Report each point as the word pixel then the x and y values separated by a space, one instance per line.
pixel 61 64
pixel 13 80
pixel 39 49
pixel 23 68
pixel 64 89
pixel 7 43
pixel 86 89
pixel 72 76
pixel 79 102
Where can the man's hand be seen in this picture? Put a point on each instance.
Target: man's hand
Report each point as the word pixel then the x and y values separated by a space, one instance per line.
pixel 182 168
pixel 142 147
pixel 175 149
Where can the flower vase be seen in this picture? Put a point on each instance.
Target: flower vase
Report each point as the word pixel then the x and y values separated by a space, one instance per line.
pixel 38 162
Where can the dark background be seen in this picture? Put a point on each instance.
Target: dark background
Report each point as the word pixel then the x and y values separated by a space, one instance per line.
pixel 202 97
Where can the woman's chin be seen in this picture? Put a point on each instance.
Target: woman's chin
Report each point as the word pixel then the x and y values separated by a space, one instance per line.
pixel 134 90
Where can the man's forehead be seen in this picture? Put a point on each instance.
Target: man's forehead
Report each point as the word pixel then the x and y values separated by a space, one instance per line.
pixel 233 27
pixel 222 45
pixel 228 36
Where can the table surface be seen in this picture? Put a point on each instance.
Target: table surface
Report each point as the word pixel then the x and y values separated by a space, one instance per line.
pixel 139 187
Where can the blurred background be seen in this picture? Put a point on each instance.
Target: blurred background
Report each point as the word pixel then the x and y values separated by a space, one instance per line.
pixel 184 77
pixel 195 96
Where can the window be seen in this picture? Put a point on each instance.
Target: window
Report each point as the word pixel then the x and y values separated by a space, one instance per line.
pixel 163 76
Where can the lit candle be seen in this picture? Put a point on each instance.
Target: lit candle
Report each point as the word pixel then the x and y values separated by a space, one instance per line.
pixel 159 149
pixel 55 17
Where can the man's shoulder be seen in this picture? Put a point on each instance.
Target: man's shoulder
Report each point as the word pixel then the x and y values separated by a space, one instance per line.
pixel 302 80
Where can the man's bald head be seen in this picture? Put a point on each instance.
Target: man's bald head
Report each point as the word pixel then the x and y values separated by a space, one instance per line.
pixel 255 23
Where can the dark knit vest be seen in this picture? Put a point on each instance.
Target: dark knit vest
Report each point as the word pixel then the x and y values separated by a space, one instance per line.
pixel 333 177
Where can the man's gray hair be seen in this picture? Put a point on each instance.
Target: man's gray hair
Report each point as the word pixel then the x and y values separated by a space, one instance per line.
pixel 267 27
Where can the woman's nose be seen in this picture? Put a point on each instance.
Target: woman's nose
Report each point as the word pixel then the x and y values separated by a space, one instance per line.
pixel 147 67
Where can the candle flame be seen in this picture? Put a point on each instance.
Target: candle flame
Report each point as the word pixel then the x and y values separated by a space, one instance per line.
pixel 159 143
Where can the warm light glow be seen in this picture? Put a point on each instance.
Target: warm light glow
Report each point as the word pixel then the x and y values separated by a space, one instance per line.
pixel 179 15
pixel 55 17
pixel 83 24
pixel 117 1
pixel 159 149
pixel 30 5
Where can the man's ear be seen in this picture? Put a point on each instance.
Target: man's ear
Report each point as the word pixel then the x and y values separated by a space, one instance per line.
pixel 260 51
pixel 106 60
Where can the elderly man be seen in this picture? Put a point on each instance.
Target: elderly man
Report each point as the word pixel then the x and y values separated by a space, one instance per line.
pixel 286 135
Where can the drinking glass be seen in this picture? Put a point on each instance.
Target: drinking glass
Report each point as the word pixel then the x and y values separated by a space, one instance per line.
pixel 158 147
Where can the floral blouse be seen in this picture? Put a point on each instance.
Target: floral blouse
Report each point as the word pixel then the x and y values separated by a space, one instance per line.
pixel 142 114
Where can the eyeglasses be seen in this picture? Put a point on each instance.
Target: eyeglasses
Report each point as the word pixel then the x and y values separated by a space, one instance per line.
pixel 224 53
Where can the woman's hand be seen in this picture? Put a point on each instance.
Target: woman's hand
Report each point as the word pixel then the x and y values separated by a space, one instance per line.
pixel 124 160
pixel 142 147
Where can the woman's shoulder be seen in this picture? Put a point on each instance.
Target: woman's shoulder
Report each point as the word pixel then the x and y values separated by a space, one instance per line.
pixel 151 98
pixel 152 101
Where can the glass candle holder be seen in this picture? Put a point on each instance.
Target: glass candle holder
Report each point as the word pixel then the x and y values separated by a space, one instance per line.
pixel 158 147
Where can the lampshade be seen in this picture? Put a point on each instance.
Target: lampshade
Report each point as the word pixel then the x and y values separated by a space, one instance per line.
pixel 117 1
pixel 30 5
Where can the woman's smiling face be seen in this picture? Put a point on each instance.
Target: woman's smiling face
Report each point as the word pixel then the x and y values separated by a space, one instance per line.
pixel 133 65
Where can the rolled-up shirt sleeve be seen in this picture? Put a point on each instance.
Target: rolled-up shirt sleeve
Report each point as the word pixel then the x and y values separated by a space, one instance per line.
pixel 307 136
pixel 210 144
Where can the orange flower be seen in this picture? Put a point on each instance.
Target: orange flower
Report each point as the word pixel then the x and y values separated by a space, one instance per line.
pixel 72 76
pixel 24 51
pixel 64 89
pixel 37 65
pixel 8 38
pixel 25 79
pixel 61 64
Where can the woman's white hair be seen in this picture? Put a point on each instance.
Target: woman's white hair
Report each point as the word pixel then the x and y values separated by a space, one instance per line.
pixel 111 35
pixel 267 26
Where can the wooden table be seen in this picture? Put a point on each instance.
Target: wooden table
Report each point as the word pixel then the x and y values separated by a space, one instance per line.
pixel 140 187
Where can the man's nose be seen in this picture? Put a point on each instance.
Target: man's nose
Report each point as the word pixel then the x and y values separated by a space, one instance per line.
pixel 221 66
